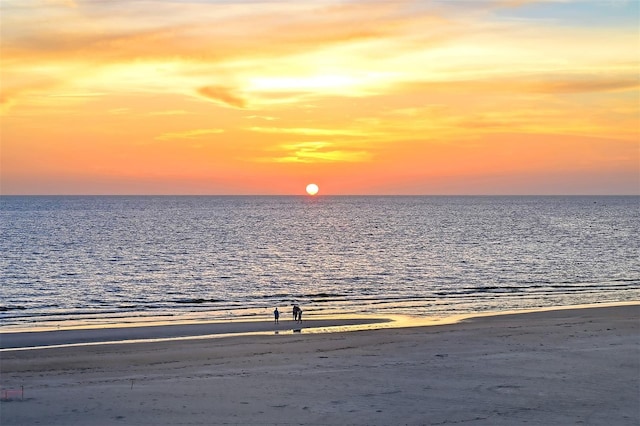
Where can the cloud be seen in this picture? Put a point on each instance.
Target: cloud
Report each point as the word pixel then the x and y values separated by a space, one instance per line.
pixel 168 112
pixel 222 95
pixel 10 95
pixel 548 84
pixel 68 3
pixel 326 157
pixel 318 152
pixel 110 30
pixel 189 134
pixel 6 102
pixel 310 131
pixel 585 85
pixel 261 117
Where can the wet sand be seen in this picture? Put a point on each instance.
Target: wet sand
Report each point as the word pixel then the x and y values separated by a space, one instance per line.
pixel 110 334
pixel 574 366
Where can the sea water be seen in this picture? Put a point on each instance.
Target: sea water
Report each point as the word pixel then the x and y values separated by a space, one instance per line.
pixel 96 258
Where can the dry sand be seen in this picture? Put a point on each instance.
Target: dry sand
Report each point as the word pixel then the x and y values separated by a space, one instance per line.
pixel 564 367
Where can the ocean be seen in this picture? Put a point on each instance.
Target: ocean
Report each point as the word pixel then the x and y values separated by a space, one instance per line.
pixel 96 259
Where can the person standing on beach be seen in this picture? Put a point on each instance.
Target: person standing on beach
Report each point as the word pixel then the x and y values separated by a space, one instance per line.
pixel 276 315
pixel 299 315
pixel 296 309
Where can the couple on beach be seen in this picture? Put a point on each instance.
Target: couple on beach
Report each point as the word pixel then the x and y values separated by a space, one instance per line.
pixel 297 313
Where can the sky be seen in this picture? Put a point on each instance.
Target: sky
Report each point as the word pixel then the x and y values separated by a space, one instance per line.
pixel 388 97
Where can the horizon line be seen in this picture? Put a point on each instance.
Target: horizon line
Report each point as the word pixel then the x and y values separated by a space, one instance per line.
pixel 321 195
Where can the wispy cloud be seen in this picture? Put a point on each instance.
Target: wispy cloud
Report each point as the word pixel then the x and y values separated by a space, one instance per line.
pixel 223 95
pixel 310 131
pixel 545 83
pixel 314 152
pixel 588 85
pixel 168 112
pixel 189 134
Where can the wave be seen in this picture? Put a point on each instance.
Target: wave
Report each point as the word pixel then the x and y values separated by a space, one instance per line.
pixel 197 301
pixel 12 308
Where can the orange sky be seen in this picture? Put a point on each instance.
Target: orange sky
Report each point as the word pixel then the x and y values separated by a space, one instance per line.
pixel 360 97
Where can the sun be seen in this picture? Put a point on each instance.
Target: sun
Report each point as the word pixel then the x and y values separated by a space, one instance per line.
pixel 312 189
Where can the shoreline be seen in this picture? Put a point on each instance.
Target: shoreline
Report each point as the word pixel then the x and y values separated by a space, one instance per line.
pixel 132 332
pixel 14 341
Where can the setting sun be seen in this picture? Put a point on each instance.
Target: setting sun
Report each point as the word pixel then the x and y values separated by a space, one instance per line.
pixel 312 189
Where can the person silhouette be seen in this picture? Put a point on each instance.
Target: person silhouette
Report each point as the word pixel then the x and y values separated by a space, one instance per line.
pixel 276 316
pixel 296 309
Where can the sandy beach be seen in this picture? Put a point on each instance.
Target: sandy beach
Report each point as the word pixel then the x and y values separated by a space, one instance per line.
pixel 561 367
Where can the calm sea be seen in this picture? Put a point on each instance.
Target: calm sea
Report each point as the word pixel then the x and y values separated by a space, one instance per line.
pixel 95 258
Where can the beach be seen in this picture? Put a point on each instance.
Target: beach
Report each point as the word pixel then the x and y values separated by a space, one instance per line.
pixel 556 367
